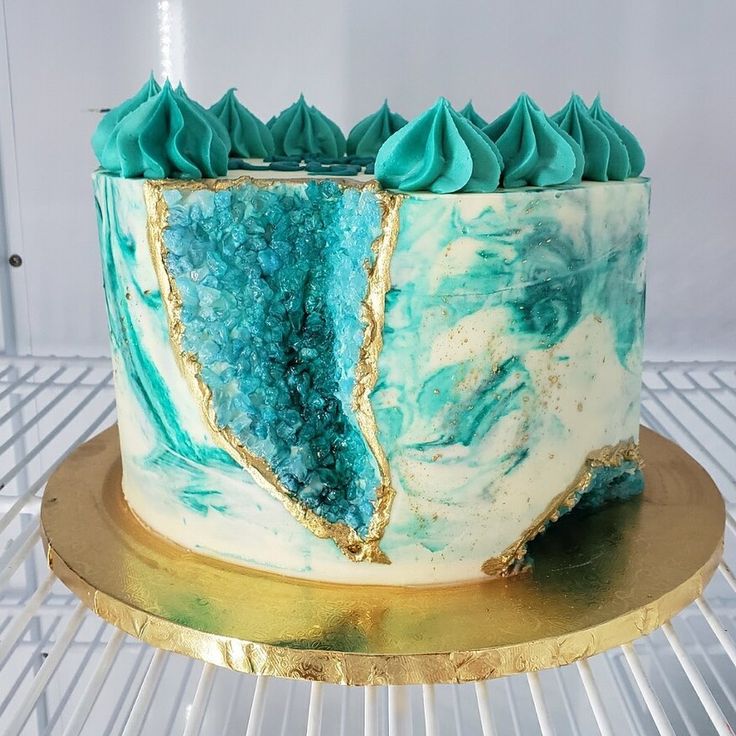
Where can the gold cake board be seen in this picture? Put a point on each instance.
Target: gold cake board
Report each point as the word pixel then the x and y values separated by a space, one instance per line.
pixel 620 574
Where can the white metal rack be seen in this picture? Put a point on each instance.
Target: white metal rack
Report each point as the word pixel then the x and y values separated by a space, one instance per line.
pixel 64 671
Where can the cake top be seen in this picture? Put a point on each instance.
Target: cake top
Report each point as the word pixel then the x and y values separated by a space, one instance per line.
pixel 161 133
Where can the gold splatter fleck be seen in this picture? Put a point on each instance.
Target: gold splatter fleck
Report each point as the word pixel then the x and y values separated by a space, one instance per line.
pixel 580 406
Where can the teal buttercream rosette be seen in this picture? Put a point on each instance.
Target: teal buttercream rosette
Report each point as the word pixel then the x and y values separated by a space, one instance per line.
pixel 106 126
pixel 249 136
pixel 367 136
pixel 535 150
pixel 302 131
pixel 634 150
pixel 439 151
pixel 165 135
pixel 470 114
pixel 604 153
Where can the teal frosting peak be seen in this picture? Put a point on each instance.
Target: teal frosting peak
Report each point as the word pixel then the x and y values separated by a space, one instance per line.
pixel 469 113
pixel 167 136
pixel 636 155
pixel 214 121
pixel 535 150
pixel 605 155
pixel 219 127
pixel 373 131
pixel 249 136
pixel 302 130
pixel 112 118
pixel 439 151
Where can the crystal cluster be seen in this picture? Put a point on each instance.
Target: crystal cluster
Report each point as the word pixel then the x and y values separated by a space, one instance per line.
pixel 272 280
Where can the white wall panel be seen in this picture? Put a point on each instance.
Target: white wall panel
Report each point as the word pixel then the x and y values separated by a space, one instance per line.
pixel 665 69
pixel 63 58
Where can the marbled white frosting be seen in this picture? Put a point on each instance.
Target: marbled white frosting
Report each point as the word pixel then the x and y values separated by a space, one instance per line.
pixel 511 348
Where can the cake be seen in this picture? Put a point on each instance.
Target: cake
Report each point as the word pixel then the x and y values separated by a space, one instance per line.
pixel 390 358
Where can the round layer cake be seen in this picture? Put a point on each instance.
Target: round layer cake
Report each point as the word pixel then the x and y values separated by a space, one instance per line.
pixel 323 376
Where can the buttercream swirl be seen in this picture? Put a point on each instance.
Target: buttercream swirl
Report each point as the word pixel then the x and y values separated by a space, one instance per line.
pixel 439 151
pixel 215 122
pixel 469 113
pixel 535 151
pixel 302 130
pixel 373 131
pixel 168 136
pixel 112 118
pixel 249 136
pixel 604 153
pixel 636 155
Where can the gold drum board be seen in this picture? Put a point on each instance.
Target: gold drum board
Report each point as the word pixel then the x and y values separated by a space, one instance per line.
pixel 598 581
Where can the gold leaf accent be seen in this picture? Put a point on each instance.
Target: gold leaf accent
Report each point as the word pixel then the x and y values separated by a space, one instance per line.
pixel 347 539
pixel 610 456
pixel 373 313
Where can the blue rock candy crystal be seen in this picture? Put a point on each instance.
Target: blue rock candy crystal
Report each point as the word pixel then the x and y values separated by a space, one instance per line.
pixel 272 281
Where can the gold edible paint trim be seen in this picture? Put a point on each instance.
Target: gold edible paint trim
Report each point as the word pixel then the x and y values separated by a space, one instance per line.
pixel 610 456
pixel 638 574
pixel 347 539
pixel 366 373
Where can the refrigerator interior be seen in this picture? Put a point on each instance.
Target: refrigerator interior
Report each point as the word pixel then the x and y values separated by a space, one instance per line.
pixel 666 71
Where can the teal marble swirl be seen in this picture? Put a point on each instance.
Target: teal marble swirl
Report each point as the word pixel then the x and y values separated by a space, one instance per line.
pixel 272 282
pixel 519 270
pixel 176 451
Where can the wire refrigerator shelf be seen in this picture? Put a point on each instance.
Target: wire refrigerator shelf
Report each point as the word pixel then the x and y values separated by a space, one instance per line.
pixel 64 671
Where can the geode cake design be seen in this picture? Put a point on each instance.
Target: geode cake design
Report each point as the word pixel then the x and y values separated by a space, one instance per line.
pixel 393 369
pixel 275 300
pixel 416 366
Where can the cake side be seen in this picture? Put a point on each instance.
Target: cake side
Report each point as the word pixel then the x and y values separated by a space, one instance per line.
pixel 490 294
pixel 511 364
pixel 178 476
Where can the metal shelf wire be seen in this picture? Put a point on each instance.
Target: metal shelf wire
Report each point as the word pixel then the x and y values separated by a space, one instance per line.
pixel 63 671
